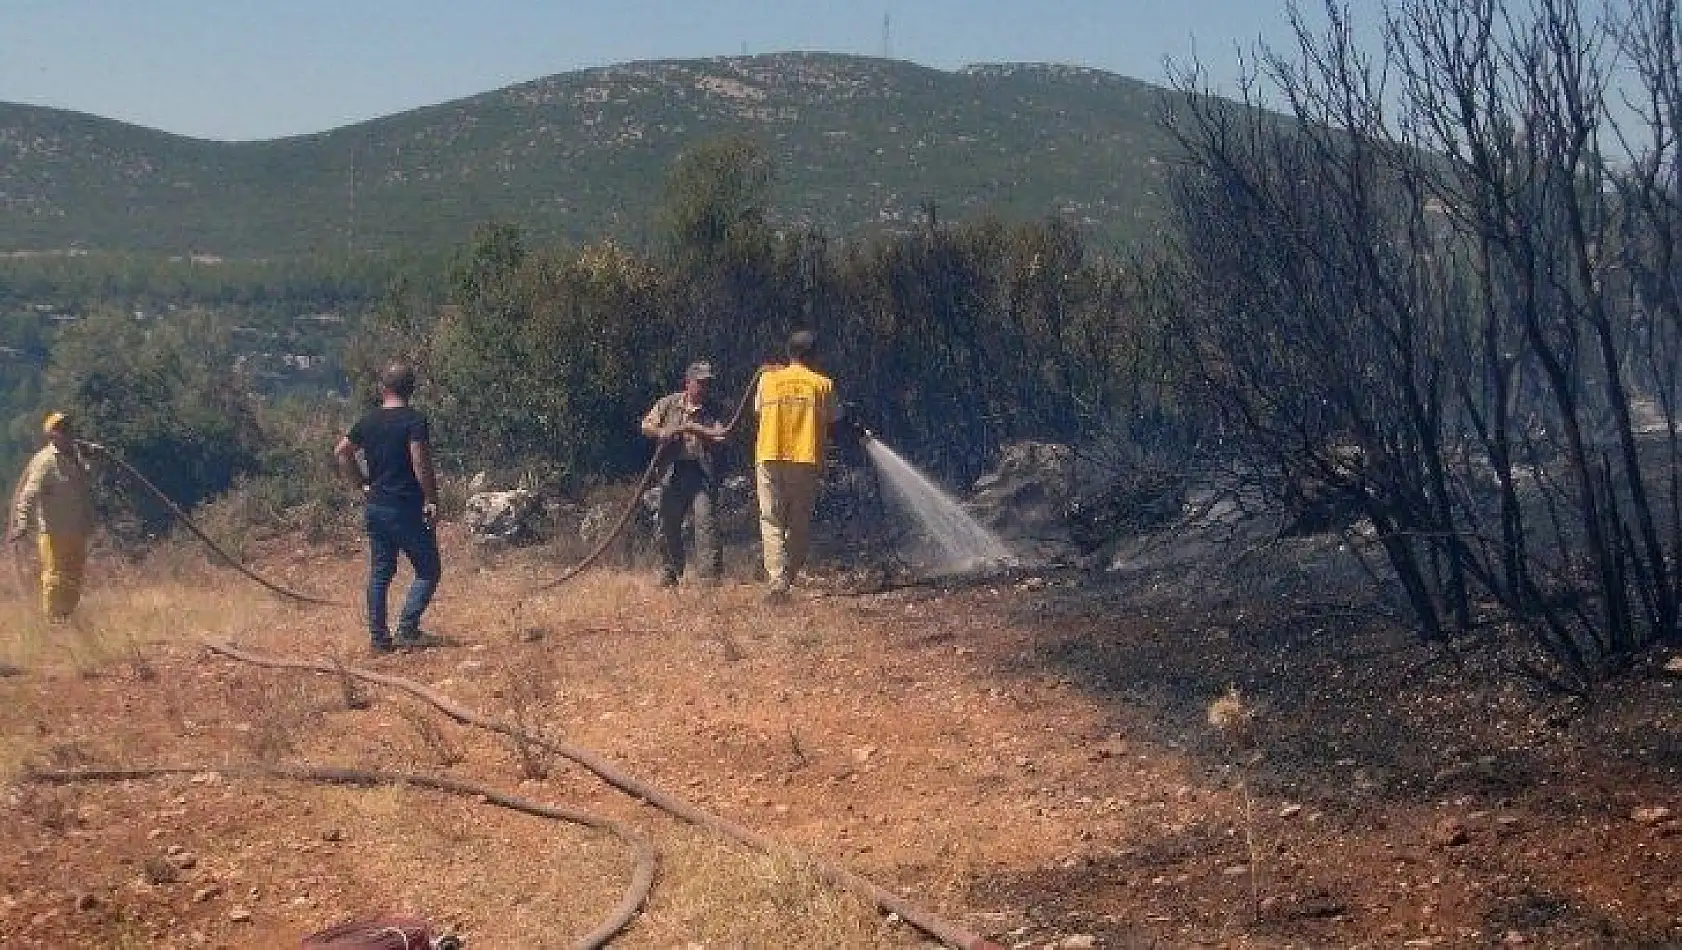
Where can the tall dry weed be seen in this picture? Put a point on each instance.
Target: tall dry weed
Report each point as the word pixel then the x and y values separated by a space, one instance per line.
pixel 528 686
pixel 274 716
pixel 444 750
pixel 1236 719
pixel 716 896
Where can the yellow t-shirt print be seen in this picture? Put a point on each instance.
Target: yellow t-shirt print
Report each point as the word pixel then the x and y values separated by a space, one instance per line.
pixel 795 409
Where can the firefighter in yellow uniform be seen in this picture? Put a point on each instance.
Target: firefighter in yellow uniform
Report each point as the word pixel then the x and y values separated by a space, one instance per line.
pixel 56 494
pixel 796 405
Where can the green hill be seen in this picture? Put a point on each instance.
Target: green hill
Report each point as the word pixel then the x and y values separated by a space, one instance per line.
pixel 861 144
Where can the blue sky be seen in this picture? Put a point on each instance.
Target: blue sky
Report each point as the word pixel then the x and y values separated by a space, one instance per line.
pixel 242 69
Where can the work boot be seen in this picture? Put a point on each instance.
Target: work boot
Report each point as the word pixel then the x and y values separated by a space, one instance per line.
pixel 668 579
pixel 778 593
pixel 420 640
pixel 380 646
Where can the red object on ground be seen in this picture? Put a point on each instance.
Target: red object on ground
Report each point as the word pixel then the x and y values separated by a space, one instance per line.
pixel 389 933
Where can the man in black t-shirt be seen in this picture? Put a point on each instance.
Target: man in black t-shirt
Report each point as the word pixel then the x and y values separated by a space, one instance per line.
pixel 400 495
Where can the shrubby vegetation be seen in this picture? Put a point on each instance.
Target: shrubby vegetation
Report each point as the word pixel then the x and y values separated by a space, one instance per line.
pixel 540 358
pixel 167 396
pixel 1447 304
pixel 952 339
pixel 182 366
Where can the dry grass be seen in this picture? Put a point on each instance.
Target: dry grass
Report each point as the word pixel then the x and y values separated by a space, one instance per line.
pixel 911 738
pixel 376 806
pixel 124 618
pixel 442 749
pixel 529 688
pixel 274 717
pixel 352 691
pixel 131 614
pixel 138 633
pixel 138 620
pixel 1235 719
pixel 53 809
pixel 16 751
pixel 716 896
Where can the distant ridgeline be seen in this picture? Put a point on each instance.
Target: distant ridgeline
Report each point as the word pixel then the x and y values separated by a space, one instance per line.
pixel 861 145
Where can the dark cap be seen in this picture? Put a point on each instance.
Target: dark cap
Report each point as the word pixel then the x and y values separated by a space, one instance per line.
pixel 700 369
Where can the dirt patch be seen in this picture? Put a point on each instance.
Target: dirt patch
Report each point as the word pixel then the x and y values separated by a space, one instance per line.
pixel 1031 760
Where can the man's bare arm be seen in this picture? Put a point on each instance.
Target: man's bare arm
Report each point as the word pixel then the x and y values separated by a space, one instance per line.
pixel 344 454
pixel 652 428
pixel 420 456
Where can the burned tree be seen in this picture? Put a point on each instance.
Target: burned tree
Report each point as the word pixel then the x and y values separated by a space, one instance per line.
pixel 1441 286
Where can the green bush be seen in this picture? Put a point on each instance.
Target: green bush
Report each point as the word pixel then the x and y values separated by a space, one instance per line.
pixel 167 396
pixel 953 339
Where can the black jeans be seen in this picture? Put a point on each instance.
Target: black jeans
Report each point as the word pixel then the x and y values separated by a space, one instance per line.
pixel 688 491
pixel 392 530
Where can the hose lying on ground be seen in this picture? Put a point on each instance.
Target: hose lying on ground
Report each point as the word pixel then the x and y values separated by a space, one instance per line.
pixel 834 874
pixel 636 893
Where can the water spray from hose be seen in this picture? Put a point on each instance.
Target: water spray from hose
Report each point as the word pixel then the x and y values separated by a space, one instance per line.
pixel 956 541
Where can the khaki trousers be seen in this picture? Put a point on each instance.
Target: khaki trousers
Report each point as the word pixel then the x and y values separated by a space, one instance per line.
pixel 64 559
pixel 787 491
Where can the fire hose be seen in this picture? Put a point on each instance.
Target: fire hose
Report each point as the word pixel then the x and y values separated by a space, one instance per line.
pixel 687 811
pixel 636 893
pixel 655 463
pixel 833 874
pixel 205 539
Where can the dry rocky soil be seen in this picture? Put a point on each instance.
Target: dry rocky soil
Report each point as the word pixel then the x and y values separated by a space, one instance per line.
pixel 1031 758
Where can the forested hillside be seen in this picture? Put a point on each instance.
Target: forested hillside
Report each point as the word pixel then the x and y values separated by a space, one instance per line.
pixel 861 145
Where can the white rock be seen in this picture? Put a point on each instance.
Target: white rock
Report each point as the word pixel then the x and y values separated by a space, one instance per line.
pixel 501 515
pixel 1650 815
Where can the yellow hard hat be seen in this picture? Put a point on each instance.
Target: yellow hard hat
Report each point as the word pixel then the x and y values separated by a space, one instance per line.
pixel 53 421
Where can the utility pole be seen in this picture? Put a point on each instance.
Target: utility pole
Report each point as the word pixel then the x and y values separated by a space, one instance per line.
pixel 355 173
pixel 887 36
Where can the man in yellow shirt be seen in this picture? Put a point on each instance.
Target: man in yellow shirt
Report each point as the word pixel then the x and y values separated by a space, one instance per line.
pixel 796 405
pixel 56 494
